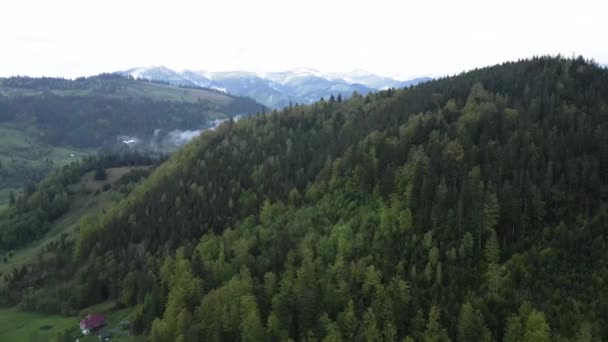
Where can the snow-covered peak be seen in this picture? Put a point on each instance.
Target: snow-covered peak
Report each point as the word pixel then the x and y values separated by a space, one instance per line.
pixel 152 73
pixel 232 74
pixel 353 73
pixel 284 77
pixel 137 72
pixel 201 72
pixel 277 89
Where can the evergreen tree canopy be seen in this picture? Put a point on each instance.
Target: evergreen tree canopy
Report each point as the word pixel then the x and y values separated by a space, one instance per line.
pixel 471 207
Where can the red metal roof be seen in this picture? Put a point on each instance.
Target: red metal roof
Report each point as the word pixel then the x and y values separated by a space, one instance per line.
pixel 92 322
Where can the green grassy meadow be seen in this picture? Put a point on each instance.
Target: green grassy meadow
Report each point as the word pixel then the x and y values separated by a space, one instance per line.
pixel 23 158
pixel 17 326
pixel 89 202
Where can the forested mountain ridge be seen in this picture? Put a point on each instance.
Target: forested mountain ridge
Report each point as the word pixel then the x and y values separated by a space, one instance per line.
pixel 467 208
pixel 87 112
pixel 48 122
pixel 111 85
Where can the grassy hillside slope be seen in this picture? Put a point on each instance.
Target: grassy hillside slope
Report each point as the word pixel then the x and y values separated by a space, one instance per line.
pixel 17 325
pixel 88 200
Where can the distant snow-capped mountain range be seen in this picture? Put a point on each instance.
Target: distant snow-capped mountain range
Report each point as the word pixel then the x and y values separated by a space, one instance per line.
pixel 276 89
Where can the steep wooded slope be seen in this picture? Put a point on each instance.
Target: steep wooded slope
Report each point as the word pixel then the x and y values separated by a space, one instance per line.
pixel 467 208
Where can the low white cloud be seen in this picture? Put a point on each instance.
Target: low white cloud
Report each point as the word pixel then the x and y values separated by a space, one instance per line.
pixel 163 141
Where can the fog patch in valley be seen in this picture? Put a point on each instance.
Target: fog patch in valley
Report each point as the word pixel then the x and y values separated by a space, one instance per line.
pixel 163 141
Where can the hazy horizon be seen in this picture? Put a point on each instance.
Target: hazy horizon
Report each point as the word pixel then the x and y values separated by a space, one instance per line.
pixel 395 76
pixel 70 38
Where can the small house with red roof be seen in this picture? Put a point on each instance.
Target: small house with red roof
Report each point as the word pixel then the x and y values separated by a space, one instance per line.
pixel 92 322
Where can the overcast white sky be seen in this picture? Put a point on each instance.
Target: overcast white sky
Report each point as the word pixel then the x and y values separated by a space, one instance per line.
pixel 84 37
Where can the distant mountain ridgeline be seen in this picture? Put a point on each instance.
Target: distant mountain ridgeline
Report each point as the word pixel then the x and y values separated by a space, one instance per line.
pixel 88 112
pixel 115 85
pixel 277 89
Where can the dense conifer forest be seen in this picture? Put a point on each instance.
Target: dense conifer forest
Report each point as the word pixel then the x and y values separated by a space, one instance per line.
pixel 469 208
